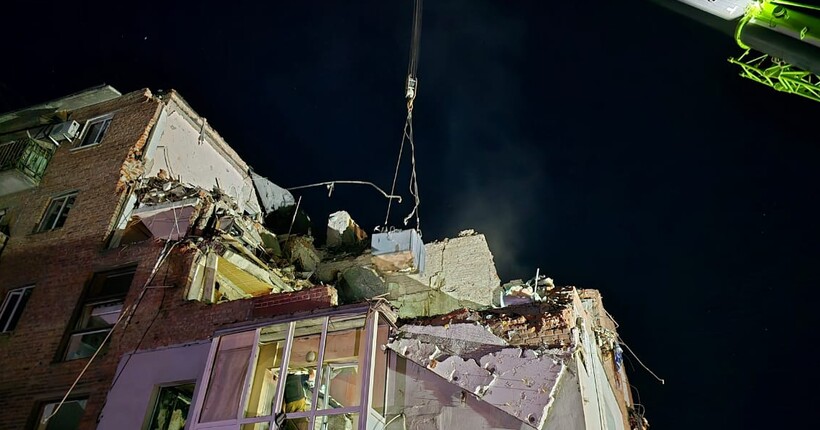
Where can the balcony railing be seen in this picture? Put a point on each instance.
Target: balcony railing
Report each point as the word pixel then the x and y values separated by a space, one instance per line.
pixel 23 163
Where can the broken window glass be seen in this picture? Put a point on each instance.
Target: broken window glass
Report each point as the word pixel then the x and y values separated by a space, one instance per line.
pixel 170 411
pixel 57 212
pixel 101 307
pixel 12 308
pixel 94 131
pixel 67 417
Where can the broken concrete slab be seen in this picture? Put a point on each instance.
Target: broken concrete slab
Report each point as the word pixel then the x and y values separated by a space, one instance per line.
pixel 519 382
pixel 302 253
pixel 342 231
pixel 360 283
pixel 459 272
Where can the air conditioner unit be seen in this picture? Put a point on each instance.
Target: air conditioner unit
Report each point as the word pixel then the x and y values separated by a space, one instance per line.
pixel 65 130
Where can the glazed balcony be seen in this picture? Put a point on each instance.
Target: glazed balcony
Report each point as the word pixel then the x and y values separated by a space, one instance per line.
pixel 23 163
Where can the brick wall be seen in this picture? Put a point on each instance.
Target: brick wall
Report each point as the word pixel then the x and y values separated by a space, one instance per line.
pixel 61 263
pixel 321 296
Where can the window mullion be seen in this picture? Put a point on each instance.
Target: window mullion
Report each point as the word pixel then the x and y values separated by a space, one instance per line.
pixel 367 379
pixel 11 314
pixel 202 387
pixel 59 213
pixel 283 368
pixel 317 385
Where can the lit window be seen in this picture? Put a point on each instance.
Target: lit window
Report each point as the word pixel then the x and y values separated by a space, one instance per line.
pixel 66 418
pixel 100 310
pixel 310 373
pixel 57 212
pixel 94 131
pixel 13 307
pixel 170 411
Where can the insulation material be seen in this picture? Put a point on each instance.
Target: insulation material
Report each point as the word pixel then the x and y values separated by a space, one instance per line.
pixel 272 196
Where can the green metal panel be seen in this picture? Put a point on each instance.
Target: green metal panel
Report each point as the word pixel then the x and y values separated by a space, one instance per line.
pixel 778 75
pixel 789 18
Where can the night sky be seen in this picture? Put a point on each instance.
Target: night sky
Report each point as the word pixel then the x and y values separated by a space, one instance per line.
pixel 609 144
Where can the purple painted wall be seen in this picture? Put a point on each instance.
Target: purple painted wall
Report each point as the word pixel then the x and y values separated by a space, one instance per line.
pixel 130 399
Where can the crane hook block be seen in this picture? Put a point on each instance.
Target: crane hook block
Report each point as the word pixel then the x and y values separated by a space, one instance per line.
pixel 410 94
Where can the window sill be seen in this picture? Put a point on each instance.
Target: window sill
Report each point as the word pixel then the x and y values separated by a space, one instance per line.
pixel 80 148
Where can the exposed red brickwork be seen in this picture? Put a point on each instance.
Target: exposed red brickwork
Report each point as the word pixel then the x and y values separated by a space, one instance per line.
pixel 60 264
pixel 323 296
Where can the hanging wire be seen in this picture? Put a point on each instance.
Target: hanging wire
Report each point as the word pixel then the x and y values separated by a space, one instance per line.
pixel 398 163
pixel 414 185
pixel 661 380
pixel 127 312
pixel 332 184
pixel 411 90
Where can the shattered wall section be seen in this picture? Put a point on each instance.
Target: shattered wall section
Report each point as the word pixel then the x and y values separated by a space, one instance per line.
pixel 511 358
pixel 462 268
pixel 189 150
pixel 429 402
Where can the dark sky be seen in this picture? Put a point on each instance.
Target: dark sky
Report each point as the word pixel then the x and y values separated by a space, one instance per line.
pixel 608 143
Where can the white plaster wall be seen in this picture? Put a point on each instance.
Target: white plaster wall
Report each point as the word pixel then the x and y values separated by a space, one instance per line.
pixel 600 404
pixel 129 401
pixel 429 402
pixel 567 410
pixel 179 152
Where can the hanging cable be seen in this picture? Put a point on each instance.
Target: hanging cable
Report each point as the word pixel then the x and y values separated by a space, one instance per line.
pixel 129 312
pixel 414 185
pixel 661 380
pixel 411 90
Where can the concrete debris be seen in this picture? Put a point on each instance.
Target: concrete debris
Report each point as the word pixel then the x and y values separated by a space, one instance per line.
pixel 239 256
pixel 518 292
pixel 342 231
pixel 302 253
pixel 520 382
pixel 359 283
pixel 459 272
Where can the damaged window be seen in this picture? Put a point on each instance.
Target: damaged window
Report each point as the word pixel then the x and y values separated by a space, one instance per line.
pixel 13 307
pixel 309 372
pixel 57 212
pixel 99 312
pixel 94 131
pixel 67 417
pixel 170 411
pixel 4 224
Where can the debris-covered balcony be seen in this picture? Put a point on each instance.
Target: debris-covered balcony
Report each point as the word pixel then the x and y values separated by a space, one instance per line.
pixel 23 163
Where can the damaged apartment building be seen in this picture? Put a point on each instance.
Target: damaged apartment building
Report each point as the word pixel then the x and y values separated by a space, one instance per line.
pixel 152 280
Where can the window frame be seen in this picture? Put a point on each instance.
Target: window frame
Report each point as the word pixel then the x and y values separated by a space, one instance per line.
pixel 362 409
pixel 40 408
pixel 156 396
pixel 65 196
pixel 94 295
pixel 19 307
pixel 87 127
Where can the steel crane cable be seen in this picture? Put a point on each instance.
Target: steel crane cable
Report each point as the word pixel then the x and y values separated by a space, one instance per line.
pixel 407 133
